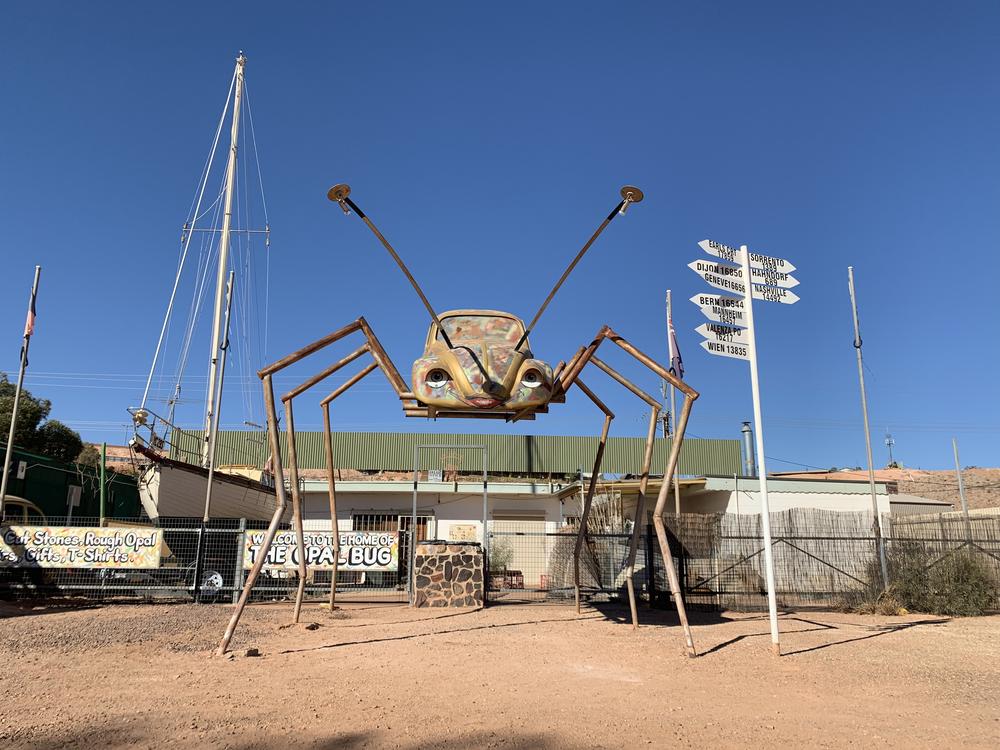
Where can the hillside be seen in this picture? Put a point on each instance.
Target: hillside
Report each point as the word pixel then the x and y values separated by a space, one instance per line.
pixel 982 486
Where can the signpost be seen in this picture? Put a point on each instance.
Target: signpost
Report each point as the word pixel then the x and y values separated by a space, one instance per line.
pixel 770 281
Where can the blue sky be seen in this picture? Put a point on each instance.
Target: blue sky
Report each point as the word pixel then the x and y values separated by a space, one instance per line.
pixel 487 141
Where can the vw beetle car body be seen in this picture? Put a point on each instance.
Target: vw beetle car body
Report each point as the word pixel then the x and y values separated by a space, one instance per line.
pixel 484 369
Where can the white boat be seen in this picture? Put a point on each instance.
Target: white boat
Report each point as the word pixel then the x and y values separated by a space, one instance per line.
pixel 177 489
pixel 169 485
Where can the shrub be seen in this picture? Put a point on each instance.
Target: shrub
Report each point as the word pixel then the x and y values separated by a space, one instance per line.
pixel 962 585
pixel 959 584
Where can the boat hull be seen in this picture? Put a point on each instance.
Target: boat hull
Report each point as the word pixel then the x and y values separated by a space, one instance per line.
pixel 174 489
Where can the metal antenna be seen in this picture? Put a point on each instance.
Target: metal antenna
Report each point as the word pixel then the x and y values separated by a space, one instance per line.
pixel 339 195
pixel 629 195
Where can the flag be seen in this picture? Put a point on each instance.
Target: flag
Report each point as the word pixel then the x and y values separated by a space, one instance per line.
pixel 676 363
pixel 29 326
pixel 29 323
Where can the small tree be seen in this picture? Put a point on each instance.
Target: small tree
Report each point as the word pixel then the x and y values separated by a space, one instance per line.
pixel 34 431
pixel 56 440
pixel 89 456
pixel 501 555
pixel 31 412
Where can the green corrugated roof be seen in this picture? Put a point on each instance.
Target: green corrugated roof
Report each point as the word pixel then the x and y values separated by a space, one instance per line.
pixel 514 454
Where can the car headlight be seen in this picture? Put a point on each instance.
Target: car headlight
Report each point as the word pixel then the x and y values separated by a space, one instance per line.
pixel 532 379
pixel 437 378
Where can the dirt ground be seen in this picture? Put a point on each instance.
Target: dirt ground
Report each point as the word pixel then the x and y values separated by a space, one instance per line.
pixel 509 676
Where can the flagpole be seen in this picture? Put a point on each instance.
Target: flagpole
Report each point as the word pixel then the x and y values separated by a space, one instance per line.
pixel 28 329
pixel 673 402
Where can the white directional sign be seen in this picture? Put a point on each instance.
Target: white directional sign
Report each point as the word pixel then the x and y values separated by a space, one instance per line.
pixel 773 278
pixel 724 333
pixel 730 279
pixel 721 309
pixel 758 275
pixel 773 294
pixel 719 275
pixel 722 349
pixel 732 254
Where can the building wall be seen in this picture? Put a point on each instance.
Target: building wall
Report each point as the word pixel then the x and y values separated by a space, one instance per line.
pixel 749 502
pixel 448 510
pixel 535 455
pixel 459 517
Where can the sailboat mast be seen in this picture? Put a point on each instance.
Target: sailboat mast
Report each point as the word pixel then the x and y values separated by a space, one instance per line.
pixel 211 403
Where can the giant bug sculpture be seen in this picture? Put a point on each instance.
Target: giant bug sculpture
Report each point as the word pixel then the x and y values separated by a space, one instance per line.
pixel 477 364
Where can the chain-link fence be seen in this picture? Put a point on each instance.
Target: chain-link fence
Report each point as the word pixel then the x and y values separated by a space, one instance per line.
pixel 225 548
pixel 528 563
pixel 821 558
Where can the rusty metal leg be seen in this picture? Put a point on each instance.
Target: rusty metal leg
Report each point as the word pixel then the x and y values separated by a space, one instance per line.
pixel 640 514
pixel 381 361
pixel 331 471
pixel 331 484
pixel 272 529
pixel 647 460
pixel 582 531
pixel 661 530
pixel 293 479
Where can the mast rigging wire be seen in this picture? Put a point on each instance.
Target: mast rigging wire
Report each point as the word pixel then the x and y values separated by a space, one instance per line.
pixel 197 203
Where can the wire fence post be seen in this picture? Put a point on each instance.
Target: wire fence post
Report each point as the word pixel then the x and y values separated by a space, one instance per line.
pixel 650 566
pixel 238 568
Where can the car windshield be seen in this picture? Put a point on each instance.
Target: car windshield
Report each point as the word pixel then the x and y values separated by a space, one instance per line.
pixel 481 328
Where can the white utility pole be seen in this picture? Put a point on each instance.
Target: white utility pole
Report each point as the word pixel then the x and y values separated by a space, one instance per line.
pixel 765 510
pixel 220 284
pixel 28 330
pixel 879 542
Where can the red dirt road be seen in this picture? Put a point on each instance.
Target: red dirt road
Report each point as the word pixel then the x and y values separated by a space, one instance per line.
pixel 510 676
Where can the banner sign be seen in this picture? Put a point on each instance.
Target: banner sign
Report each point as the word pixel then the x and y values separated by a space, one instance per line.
pixel 79 547
pixel 359 550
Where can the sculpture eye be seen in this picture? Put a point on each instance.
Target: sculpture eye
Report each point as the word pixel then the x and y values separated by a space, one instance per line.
pixel 437 378
pixel 531 379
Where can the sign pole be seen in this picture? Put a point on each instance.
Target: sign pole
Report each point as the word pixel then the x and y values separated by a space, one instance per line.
pixel 28 330
pixel 765 512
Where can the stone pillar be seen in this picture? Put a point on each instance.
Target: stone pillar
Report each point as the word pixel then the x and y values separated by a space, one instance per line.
pixel 448 574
